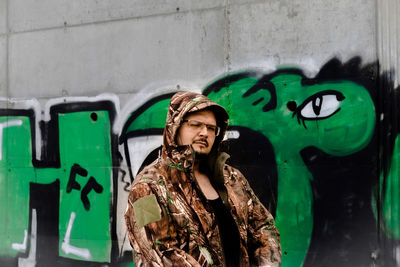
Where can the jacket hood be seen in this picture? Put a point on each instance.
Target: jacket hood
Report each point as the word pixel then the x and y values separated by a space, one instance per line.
pixel 181 104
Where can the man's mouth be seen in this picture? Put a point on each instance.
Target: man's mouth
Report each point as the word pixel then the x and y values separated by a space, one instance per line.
pixel 201 142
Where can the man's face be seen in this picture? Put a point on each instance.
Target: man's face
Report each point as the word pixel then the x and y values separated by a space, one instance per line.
pixel 197 130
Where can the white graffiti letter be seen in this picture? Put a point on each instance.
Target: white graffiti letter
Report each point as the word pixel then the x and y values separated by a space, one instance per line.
pixel 67 248
pixel 22 246
pixel 31 260
pixel 5 125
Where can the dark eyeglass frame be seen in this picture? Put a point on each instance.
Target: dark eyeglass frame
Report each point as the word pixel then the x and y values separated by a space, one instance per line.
pixel 198 125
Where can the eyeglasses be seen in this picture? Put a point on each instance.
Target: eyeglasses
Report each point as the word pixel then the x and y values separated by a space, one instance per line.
pixel 198 126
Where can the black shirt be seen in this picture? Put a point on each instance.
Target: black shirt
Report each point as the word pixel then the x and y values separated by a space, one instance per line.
pixel 228 231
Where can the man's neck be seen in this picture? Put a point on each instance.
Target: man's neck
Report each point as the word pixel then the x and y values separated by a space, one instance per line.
pixel 196 166
pixel 204 182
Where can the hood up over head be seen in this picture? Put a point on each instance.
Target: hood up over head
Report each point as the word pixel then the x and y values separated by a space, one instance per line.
pixel 183 103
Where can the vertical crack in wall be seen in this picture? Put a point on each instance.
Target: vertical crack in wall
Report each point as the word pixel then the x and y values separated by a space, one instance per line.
pixel 7 48
pixel 388 51
pixel 397 40
pixel 227 36
pixel 388 37
pixel 379 36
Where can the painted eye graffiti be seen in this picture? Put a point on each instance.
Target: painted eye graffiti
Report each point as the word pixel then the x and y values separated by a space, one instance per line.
pixel 319 106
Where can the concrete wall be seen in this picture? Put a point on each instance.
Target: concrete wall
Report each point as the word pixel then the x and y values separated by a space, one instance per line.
pixel 58 48
pixel 77 77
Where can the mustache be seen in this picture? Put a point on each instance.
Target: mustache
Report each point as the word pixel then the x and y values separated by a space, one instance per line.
pixel 201 140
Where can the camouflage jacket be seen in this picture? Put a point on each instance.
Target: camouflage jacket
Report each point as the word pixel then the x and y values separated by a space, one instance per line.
pixel 170 222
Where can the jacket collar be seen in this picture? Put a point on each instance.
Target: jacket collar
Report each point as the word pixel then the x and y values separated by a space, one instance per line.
pixel 181 159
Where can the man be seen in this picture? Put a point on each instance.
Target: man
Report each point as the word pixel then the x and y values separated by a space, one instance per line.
pixel 188 208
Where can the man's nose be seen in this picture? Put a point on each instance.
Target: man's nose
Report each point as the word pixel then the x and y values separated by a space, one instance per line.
pixel 204 130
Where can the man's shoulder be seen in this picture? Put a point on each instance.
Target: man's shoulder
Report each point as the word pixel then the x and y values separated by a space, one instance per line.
pixel 147 181
pixel 232 170
pixel 233 174
pixel 150 174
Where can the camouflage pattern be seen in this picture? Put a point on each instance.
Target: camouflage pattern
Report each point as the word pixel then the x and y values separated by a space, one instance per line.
pixel 187 233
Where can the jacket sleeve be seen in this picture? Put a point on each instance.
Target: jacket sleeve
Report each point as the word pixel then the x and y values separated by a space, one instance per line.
pixel 263 236
pixel 153 236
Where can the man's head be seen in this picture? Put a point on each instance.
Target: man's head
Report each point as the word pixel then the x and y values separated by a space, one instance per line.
pixel 198 129
pixel 195 120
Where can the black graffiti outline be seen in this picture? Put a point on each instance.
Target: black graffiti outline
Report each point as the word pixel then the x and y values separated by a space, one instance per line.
pixel 91 184
pixel 125 135
pixel 312 98
pixel 72 183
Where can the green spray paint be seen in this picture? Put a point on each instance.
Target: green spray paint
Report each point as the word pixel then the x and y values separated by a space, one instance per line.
pixel 87 143
pixel 154 117
pixel 344 130
pixel 16 172
pixel 82 141
pixel 391 201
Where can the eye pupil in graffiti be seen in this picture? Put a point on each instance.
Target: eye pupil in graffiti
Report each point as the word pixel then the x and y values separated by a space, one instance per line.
pixel 316 105
pixel 291 105
pixel 93 116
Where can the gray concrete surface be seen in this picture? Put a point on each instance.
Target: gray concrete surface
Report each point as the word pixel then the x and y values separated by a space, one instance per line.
pixel 119 57
pixel 26 15
pixel 388 22
pixel 59 48
pixel 3 16
pixel 306 33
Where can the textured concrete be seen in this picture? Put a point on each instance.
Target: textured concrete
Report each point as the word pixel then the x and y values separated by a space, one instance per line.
pixel 117 57
pixel 3 16
pixel 27 15
pixel 307 33
pixel 3 65
pixel 389 37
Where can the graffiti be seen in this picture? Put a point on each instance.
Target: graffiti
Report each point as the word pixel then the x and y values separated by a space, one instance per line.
pixel 318 143
pixel 67 248
pixel 319 117
pixel 59 207
pixel 322 154
pixel 91 184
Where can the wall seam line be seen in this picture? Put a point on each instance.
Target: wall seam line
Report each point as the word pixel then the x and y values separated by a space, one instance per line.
pixel 7 48
pixel 99 22
pixel 228 36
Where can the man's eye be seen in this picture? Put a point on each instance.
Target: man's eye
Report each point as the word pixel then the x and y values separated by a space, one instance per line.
pixel 211 128
pixel 195 124
pixel 321 105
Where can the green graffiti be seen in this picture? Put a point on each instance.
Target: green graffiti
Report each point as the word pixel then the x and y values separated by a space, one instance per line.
pixel 150 119
pixel 84 232
pixel 87 143
pixel 16 172
pixel 337 117
pixel 391 201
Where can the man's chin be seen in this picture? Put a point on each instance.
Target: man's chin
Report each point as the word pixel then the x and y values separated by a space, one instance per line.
pixel 200 152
